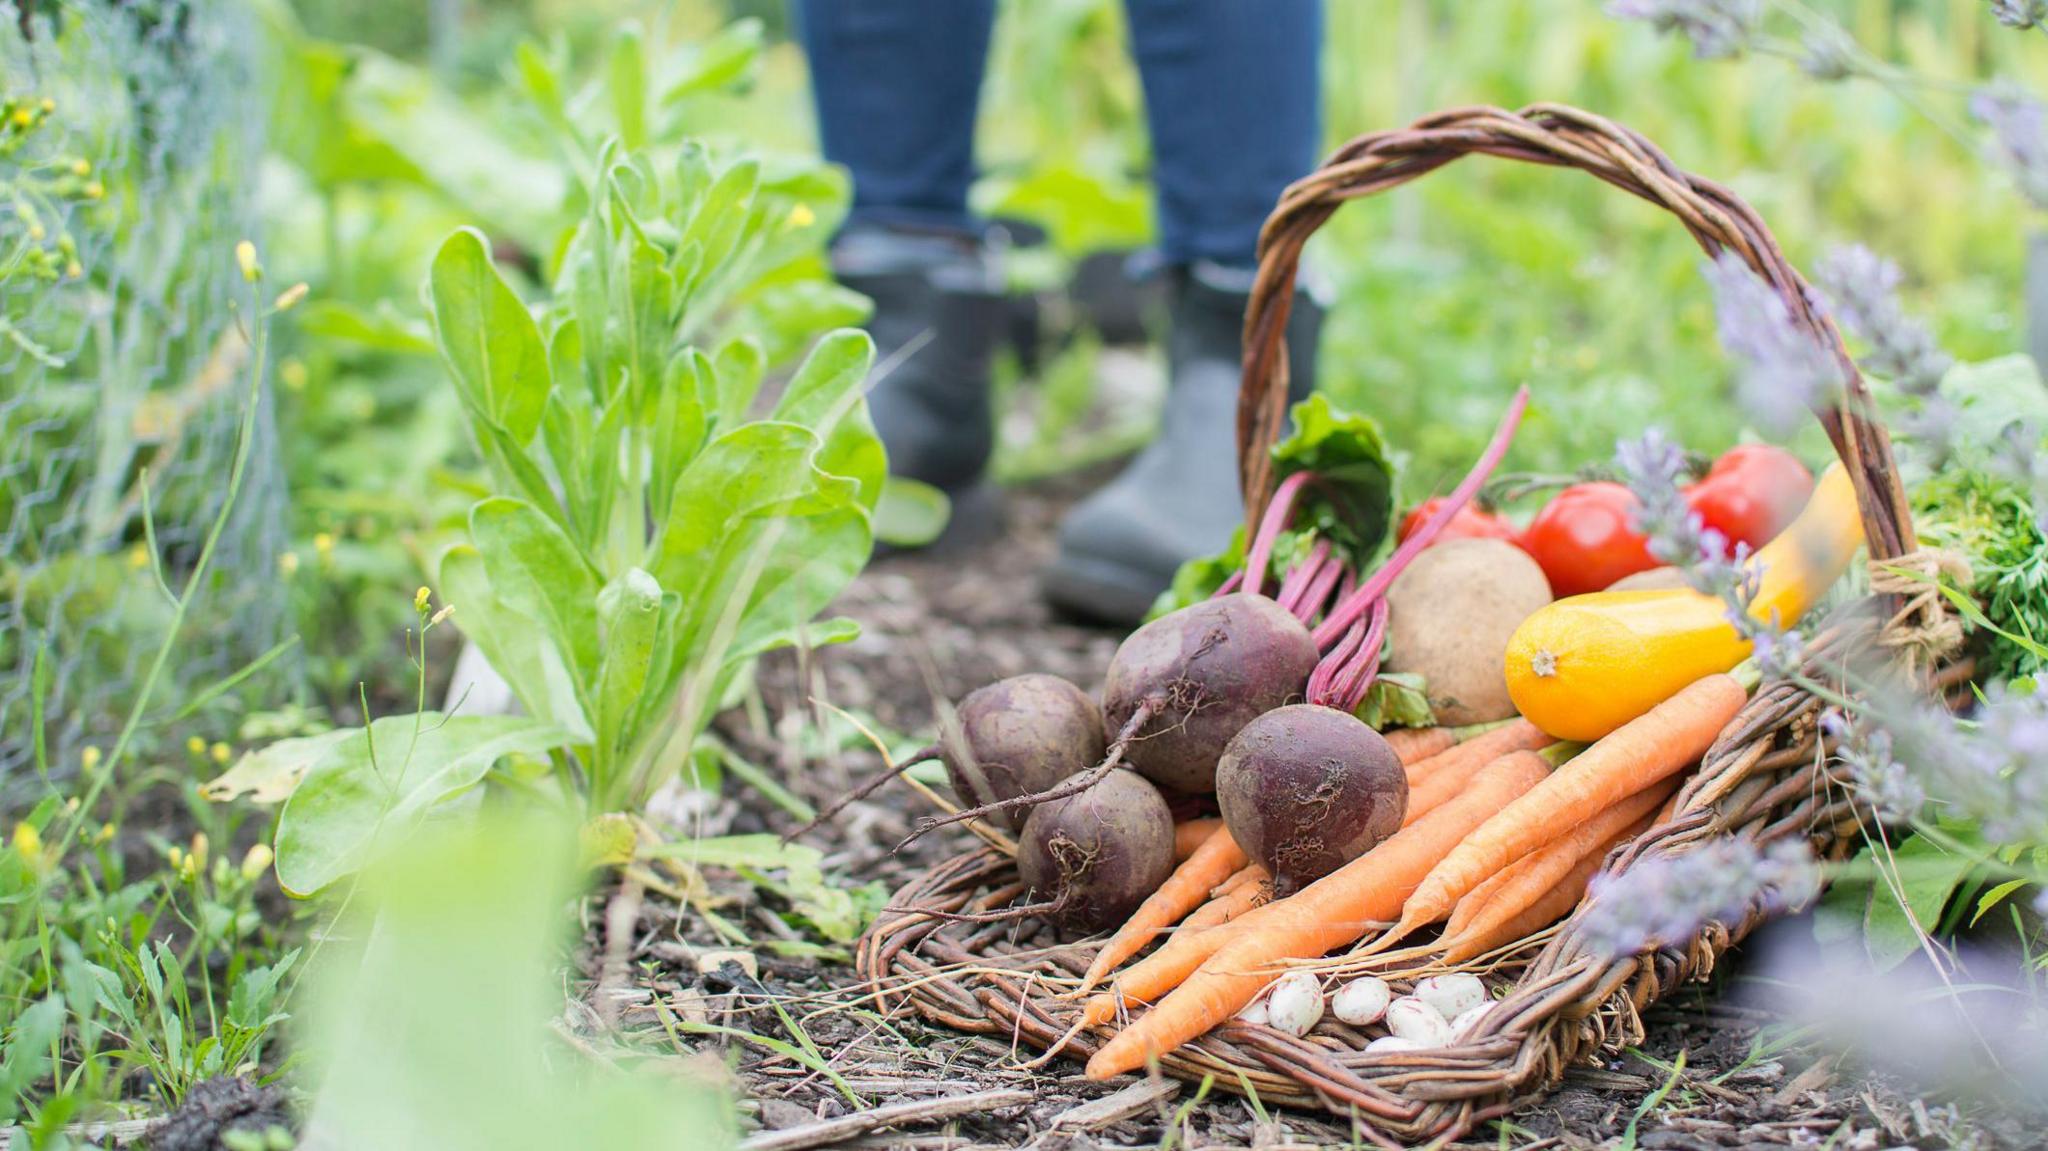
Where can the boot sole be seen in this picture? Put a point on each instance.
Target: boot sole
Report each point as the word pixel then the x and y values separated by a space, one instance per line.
pixel 1098 591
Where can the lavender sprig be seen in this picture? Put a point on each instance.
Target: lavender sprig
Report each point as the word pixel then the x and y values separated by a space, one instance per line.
pixel 1668 898
pixel 1652 466
pixel 1717 28
pixel 2019 128
pixel 1910 759
pixel 1862 290
pixel 1785 368
pixel 2020 13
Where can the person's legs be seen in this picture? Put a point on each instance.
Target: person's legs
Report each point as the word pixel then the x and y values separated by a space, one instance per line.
pixel 1231 91
pixel 897 84
pixel 1233 100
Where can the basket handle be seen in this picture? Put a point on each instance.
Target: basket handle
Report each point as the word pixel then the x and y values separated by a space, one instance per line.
pixel 1559 136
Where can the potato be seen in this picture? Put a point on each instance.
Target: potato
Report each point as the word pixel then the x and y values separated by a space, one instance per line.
pixel 1656 579
pixel 1450 616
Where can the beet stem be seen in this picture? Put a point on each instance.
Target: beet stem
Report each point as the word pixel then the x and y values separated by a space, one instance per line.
pixel 1279 512
pixel 1325 673
pixel 866 788
pixel 1074 785
pixel 1359 672
pixel 1229 586
pixel 1303 575
pixel 1317 597
pixel 1354 606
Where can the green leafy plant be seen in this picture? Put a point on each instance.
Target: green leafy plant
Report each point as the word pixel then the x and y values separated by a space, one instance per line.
pixel 643 539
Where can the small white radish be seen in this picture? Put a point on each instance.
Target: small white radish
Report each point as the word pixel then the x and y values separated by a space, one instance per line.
pixel 1255 1012
pixel 1412 1018
pixel 1452 995
pixel 1295 1003
pixel 1387 1043
pixel 1467 1020
pixel 1362 1001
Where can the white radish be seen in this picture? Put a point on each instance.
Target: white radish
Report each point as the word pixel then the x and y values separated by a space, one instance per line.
pixel 1452 995
pixel 1362 1001
pixel 1412 1018
pixel 1295 1003
pixel 1386 1043
pixel 1469 1019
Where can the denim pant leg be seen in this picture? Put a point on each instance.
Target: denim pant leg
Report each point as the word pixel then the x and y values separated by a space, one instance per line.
pixel 897 83
pixel 1233 98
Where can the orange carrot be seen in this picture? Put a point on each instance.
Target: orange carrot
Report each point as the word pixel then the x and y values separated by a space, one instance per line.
pixel 1488 933
pixel 1191 834
pixel 1249 894
pixel 1250 873
pixel 1415 744
pixel 1330 912
pixel 1520 884
pixel 1480 750
pixel 1645 750
pixel 1186 889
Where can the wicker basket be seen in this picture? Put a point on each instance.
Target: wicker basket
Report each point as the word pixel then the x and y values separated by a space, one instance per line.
pixel 1764 779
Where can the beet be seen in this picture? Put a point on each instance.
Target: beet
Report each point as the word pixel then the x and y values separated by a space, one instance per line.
pixel 1203 672
pixel 1021 736
pixel 1307 789
pixel 1096 855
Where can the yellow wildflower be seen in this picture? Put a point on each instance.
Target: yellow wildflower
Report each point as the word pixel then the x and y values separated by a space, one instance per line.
pixel 222 753
pixel 420 598
pixel 106 834
pixel 245 258
pixel 89 757
pixel 138 557
pixel 199 846
pixel 196 746
pixel 28 843
pixel 801 216
pixel 257 861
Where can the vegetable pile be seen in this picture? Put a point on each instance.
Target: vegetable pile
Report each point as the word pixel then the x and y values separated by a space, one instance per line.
pixel 1536 735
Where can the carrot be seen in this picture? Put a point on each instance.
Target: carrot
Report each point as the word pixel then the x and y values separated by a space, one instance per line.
pixel 1184 950
pixel 1482 749
pixel 1415 744
pixel 1250 890
pixel 1520 884
pixel 1546 909
pixel 1190 834
pixel 1250 873
pixel 1328 913
pixel 1645 750
pixel 1186 889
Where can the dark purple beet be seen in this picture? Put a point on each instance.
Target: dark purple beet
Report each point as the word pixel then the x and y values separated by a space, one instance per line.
pixel 1307 789
pixel 1024 734
pixel 1208 669
pixel 1096 855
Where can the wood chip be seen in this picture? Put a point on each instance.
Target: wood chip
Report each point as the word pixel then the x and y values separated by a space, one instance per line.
pixel 1096 1114
pixel 831 1131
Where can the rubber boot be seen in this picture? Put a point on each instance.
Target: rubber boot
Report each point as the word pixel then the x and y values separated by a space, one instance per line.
pixel 1179 498
pixel 939 310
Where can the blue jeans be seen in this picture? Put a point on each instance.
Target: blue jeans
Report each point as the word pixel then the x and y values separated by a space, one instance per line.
pixel 1231 95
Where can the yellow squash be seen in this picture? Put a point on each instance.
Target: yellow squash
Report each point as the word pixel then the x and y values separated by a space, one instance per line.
pixel 1585 665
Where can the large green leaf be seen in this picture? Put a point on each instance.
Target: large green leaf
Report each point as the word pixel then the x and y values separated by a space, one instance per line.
pixel 1352 501
pixel 827 395
pixel 521 653
pixel 755 467
pixel 491 343
pixel 381 781
pixel 537 572
pixel 1926 875
pixel 630 610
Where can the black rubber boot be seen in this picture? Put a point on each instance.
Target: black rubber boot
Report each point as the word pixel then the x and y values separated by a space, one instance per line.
pixel 1179 498
pixel 939 310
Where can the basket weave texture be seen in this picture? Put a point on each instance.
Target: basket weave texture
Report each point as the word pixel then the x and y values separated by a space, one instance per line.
pixel 1765 779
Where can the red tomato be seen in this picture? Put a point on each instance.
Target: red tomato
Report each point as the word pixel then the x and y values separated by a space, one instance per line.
pixel 1751 493
pixel 1468 523
pixel 1584 538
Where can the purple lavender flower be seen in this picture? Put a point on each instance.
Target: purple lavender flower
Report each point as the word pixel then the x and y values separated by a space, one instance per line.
pixel 1862 292
pixel 1864 749
pixel 1785 369
pixel 1667 898
pixel 1907 755
pixel 1717 28
pixel 2019 126
pixel 2020 13
pixel 1652 466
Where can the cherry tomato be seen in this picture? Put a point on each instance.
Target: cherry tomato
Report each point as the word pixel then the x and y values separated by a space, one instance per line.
pixel 1751 493
pixel 1468 523
pixel 1584 538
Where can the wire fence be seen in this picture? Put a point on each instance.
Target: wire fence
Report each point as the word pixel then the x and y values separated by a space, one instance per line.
pixel 128 158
